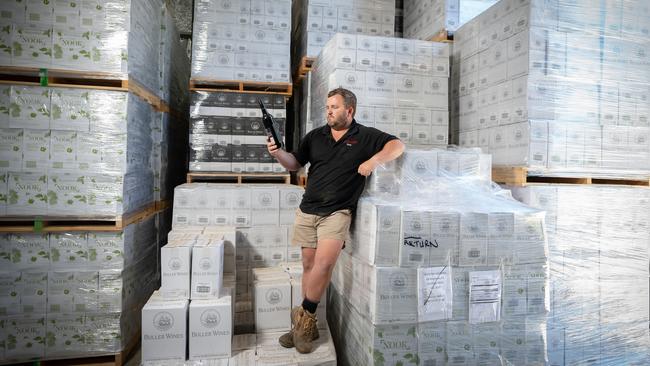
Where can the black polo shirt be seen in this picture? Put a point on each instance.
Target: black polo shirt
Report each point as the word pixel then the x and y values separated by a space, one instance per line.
pixel 334 182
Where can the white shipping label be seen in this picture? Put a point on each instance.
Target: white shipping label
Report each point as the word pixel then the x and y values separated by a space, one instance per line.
pixel 484 296
pixel 434 294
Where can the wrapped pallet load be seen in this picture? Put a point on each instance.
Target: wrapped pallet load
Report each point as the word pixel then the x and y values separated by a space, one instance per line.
pixel 442 267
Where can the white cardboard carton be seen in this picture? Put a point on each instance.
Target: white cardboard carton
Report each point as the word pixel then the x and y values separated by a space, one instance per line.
pixel 164 330
pixel 175 262
pixel 272 305
pixel 207 269
pixel 210 328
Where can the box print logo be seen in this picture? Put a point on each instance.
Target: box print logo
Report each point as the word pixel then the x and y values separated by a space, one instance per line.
pixel 210 318
pixel 175 264
pixel 398 281
pixel 273 296
pixel 163 321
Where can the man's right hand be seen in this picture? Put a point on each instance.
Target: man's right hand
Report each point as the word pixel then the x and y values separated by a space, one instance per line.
pixel 272 147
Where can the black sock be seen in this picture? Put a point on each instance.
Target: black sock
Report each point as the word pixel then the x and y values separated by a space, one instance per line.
pixel 309 306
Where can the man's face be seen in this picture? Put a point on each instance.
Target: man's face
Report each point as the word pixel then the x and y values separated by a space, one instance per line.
pixel 338 117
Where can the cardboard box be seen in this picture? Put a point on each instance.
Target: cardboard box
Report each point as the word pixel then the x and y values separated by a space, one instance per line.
pixel 416 238
pixel 207 269
pixel 473 239
pixel 164 330
pixel 175 262
pixel 445 232
pixel 272 305
pixel 210 328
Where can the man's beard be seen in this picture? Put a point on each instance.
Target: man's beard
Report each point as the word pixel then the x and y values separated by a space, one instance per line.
pixel 338 124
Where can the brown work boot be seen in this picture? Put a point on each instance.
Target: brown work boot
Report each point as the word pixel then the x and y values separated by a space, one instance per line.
pixel 305 332
pixel 286 340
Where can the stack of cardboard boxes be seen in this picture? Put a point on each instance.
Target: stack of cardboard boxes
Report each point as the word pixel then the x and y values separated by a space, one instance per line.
pixel 428 19
pixel 560 88
pixel 227 134
pixel 598 253
pixel 260 278
pixel 84 153
pixel 460 274
pixel 315 22
pixel 242 40
pixel 401 85
pixel 263 215
pixel 74 294
pixel 190 316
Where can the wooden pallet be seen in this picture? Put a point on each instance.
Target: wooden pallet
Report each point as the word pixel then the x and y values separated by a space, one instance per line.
pixel 31 76
pixel 116 359
pixel 10 224
pixel 305 66
pixel 64 78
pixel 239 177
pixel 240 86
pixel 443 36
pixel 521 176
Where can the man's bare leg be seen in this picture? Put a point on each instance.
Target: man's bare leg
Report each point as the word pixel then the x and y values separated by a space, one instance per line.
pixel 320 274
pixel 308 256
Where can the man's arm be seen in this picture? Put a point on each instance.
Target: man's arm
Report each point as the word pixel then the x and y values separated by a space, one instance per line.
pixel 391 151
pixel 287 160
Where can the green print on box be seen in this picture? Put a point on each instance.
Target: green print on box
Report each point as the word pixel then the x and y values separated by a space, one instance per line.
pixel 5 103
pixel 27 194
pixel 30 107
pixel 25 337
pixel 68 249
pixel 30 250
pixel 5 43
pixel 67 194
pixel 32 46
pixel 70 110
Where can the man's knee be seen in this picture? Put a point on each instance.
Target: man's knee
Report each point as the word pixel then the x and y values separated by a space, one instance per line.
pixel 308 259
pixel 307 264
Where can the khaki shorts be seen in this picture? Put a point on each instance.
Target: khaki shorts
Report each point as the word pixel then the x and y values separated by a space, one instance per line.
pixel 308 228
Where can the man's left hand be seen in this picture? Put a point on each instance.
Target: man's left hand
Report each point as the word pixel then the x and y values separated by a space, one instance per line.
pixel 367 167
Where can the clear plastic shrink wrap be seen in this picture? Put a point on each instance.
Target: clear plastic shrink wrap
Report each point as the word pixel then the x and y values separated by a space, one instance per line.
pixel 168 128
pixel 425 19
pixel 316 21
pixel 119 37
pixel 401 85
pixel 442 268
pixel 558 86
pixel 174 64
pixel 242 40
pixel 74 294
pixel 74 152
pixel 227 133
pixel 598 255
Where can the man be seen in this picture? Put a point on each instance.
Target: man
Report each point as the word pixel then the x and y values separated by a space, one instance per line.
pixel 342 154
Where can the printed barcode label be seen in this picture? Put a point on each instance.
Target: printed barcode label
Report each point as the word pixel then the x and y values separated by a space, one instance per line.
pixel 202 289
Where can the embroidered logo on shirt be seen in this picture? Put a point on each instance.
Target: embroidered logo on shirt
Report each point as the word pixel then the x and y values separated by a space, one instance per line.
pixel 351 141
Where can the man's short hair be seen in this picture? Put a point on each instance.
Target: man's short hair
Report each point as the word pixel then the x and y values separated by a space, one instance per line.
pixel 349 99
